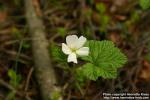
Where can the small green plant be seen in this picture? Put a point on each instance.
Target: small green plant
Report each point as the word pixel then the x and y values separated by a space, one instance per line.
pixel 15 80
pixel 145 4
pixel 134 18
pixel 55 96
pixel 61 31
pixel 104 19
pixel 101 8
pixel 57 54
pixel 16 32
pixel 101 58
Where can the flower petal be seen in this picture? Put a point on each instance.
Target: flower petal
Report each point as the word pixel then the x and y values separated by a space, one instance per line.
pixel 84 51
pixel 81 41
pixel 72 58
pixel 71 40
pixel 66 49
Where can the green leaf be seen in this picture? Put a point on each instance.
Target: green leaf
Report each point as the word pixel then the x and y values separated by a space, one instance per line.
pixel 92 72
pixel 16 32
pixel 26 45
pixel 145 4
pixel 15 78
pixel 104 60
pixel 57 54
pixel 135 17
pixel 101 8
pixel 107 72
pixel 11 73
pixel 62 31
pixel 105 54
pixel 104 22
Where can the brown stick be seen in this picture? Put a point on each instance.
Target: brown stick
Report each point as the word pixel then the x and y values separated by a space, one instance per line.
pixel 8 86
pixel 43 68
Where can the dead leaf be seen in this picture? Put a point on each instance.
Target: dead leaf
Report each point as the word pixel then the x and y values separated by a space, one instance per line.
pixel 3 16
pixel 145 72
pixel 115 37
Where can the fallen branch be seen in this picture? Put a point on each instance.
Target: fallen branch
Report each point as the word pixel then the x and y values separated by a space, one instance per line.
pixel 43 68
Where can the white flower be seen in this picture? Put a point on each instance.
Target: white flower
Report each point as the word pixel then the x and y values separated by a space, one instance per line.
pixel 74 47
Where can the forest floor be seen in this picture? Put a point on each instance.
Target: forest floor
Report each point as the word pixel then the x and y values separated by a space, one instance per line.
pixel 121 21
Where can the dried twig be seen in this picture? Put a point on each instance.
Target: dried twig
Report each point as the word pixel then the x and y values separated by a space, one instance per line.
pixel 28 79
pixel 8 86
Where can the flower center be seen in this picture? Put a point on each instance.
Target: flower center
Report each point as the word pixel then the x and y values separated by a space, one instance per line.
pixel 73 50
